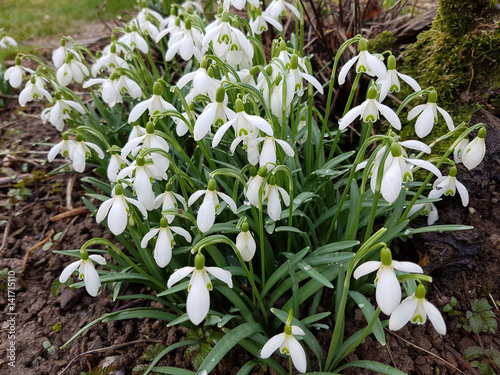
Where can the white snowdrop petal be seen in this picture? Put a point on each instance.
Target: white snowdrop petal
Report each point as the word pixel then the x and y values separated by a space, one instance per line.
pixel 298 331
pixel 415 111
pixel 407 267
pixel 148 236
pixel 388 291
pixel 271 345
pixel 409 80
pixel 447 119
pixel 198 301
pixel 98 259
pixel 464 194
pixel 206 214
pixel 425 122
pixel 226 198
pixel 68 271
pixel 194 197
pixel 178 275
pixel 91 278
pixel 366 268
pixel 345 69
pixel 298 354
pixel 435 317
pixel 416 145
pixel 389 114
pixel 117 217
pixel 350 116
pixel 222 275
pixel 403 313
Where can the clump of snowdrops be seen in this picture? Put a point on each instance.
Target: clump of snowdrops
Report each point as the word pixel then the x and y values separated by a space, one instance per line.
pixel 227 190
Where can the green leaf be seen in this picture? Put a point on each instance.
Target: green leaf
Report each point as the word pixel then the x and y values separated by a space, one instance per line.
pixel 230 340
pixel 368 311
pixel 247 367
pixel 172 371
pixel 374 366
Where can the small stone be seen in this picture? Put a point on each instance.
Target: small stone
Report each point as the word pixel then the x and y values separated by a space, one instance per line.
pixel 472 210
pixel 494 200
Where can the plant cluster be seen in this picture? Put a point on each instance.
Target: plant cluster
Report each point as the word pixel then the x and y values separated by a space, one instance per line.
pixel 227 189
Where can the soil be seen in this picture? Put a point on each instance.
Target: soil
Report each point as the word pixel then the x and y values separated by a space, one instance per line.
pixel 464 265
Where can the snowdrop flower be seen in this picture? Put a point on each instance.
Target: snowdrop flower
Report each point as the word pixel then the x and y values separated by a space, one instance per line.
pixel 81 151
pixel 136 131
pixel 289 345
pixel 62 147
pixel 388 290
pixel 164 243
pixel 34 89
pixel 155 105
pixel 117 211
pixel 390 83
pixel 168 200
pixel 245 243
pixel 430 209
pixel 143 175
pixel 366 63
pixel 294 80
pixel 86 271
pixel 213 114
pixel 273 199
pixel 301 125
pixel 109 61
pixel 229 44
pixel 206 213
pixel 203 82
pixel 149 140
pixel 170 20
pixel 427 116
pixel 176 27
pixel 458 150
pixel 399 171
pixel 132 39
pixel 198 300
pixel 71 70
pixel 246 127
pixel 369 111
pixel 110 92
pixel 191 6
pixel 187 43
pixel 239 4
pixel 474 152
pixel 15 74
pixel 116 163
pixel 416 309
pixel 145 21
pixel 267 156
pixel 7 42
pixel 414 145
pixel 277 8
pixel 60 53
pixel 254 184
pixel 60 111
pixel 259 24
pixel 449 185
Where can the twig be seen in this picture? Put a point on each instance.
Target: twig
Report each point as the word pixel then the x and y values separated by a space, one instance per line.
pixel 462 361
pixel 6 232
pixel 69 189
pixel 25 263
pixel 11 179
pixel 495 303
pixel 74 212
pixel 426 351
pixel 117 346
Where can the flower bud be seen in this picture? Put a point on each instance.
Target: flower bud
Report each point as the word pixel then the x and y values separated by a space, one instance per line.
pixel 239 106
pixel 263 172
pixel 163 222
pixel 453 172
pixel 386 256
pixel 211 185
pixel 150 128
pixel 84 255
pixel 372 93
pixel 391 62
pixel 433 96
pixel 395 150
pixel 157 88
pixel 199 261
pixel 420 292
pixel 220 94
pixel 294 61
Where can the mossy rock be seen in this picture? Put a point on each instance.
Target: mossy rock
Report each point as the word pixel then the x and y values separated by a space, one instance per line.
pixel 459 56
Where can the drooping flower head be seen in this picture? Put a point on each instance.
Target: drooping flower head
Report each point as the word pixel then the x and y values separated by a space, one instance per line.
pixel 449 185
pixel 366 63
pixel 287 344
pixel 471 154
pixel 86 271
pixel 388 290
pixel 370 111
pixel 416 309
pixel 390 83
pixel 198 301
pixel 246 243
pixel 428 116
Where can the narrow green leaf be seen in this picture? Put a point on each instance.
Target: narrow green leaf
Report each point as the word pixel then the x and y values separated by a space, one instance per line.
pixel 368 311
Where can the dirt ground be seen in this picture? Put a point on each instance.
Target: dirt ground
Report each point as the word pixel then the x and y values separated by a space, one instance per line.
pixel 464 265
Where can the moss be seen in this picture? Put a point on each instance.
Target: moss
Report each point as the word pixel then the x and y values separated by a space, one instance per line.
pixel 384 41
pixel 459 57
